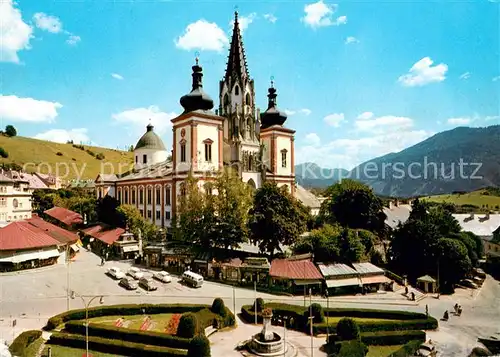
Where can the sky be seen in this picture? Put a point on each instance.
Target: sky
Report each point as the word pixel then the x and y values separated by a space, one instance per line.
pixel 358 79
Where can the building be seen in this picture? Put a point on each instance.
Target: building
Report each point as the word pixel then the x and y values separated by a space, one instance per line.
pixel 296 274
pixel 256 145
pixel 397 213
pixel 64 217
pixel 483 225
pixel 15 198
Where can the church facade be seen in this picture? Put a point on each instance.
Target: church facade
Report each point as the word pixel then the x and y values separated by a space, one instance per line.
pixel 205 141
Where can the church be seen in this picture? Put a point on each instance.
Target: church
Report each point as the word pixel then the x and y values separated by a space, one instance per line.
pixel 205 140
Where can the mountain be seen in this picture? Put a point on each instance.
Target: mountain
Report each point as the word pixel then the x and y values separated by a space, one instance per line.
pixel 311 175
pixel 68 161
pixel 461 159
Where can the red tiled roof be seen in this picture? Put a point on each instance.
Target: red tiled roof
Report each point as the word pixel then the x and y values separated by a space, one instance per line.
pixel 294 269
pixel 64 215
pixel 108 236
pixel 21 235
pixel 56 232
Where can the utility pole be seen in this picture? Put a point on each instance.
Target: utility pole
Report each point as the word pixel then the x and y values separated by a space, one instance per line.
pixel 255 300
pixel 312 320
pixel 234 301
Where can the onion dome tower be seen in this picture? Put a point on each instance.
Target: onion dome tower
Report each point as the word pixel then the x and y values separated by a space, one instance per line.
pixel 197 99
pixel 272 116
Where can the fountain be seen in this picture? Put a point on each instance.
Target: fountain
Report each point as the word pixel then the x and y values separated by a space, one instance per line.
pixel 267 343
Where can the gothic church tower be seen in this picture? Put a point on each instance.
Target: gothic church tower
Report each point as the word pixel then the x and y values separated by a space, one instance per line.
pixel 237 106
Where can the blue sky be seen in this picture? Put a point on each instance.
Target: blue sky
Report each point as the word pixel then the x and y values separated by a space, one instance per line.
pixel 358 79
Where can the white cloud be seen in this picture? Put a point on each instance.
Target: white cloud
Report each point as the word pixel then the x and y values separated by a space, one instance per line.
pixel 202 35
pixel 117 76
pixel 320 14
pixel 334 119
pixel 303 111
pixel 290 112
pixel 459 121
pixel 63 136
pixel 244 21
pixel 492 117
pixel 387 123
pixel 140 117
pixel 313 139
pixel 306 111
pixel 28 109
pixel 497 78
pixel 73 40
pixel 47 23
pixel 351 39
pixel 270 18
pixel 365 115
pixel 465 75
pixel 423 72
pixel 15 34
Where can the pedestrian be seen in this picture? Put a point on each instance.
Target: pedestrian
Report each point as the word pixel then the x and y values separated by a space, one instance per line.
pixel 406 290
pixel 412 296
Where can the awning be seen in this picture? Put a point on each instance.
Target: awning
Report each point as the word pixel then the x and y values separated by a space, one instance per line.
pixel 27 256
pixel 74 247
pixel 377 279
pixel 130 248
pixel 337 283
pixel 307 282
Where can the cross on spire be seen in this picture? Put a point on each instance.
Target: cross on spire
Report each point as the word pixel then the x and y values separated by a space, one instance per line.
pixel 197 56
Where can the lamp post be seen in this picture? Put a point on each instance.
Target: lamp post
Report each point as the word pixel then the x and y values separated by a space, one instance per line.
pixel 255 301
pixel 327 321
pixel 87 304
pixel 312 320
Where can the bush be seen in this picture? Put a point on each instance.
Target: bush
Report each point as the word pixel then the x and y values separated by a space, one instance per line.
pixel 199 347
pixel 124 348
pixel 188 326
pixel 90 152
pixel 59 153
pixel 260 304
pixel 81 147
pixel 317 313
pixel 347 329
pixel 100 156
pixel 351 349
pixel 388 338
pixel 22 341
pixel 218 307
pixel 407 349
pixel 10 131
pixel 4 154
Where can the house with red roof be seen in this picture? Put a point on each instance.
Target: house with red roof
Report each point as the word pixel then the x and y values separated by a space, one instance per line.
pixel 64 217
pixel 296 274
pixel 112 242
pixel 25 246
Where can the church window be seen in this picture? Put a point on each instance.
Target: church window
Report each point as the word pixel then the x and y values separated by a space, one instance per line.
pixel 158 196
pixel 283 158
pixel 144 159
pixel 167 196
pixel 183 152
pixel 150 194
pixel 236 90
pixel 167 215
pixel 208 150
pixel 209 188
pixel 133 196
pixel 126 197
pixel 149 214
pixel 141 196
pixel 158 215
pixel 250 163
pixel 247 99
pixel 120 196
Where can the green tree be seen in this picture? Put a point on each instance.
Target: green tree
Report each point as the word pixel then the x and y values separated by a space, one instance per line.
pixel 131 217
pixel 348 329
pixel 84 205
pixel 199 346
pixel 454 262
pixel 188 326
pixel 350 246
pixel 42 200
pixel 322 242
pixel 276 218
pixel 106 209
pixel 353 204
pixel 3 153
pixel 10 131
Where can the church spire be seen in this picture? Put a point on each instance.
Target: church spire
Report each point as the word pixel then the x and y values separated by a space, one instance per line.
pixel 236 62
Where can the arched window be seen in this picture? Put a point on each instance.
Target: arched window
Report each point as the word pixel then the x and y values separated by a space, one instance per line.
pixel 250 162
pixel 226 99
pixel 150 196
pixel 183 150
pixel 133 196
pixel 158 195
pixel 120 196
pixel 167 196
pixel 141 196
pixel 247 99
pixel 126 196
pixel 236 90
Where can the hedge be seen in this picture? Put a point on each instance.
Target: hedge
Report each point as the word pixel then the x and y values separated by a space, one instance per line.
pixel 351 348
pixel 22 341
pixel 122 310
pixel 386 338
pixel 118 347
pixel 372 326
pixel 125 334
pixel 407 349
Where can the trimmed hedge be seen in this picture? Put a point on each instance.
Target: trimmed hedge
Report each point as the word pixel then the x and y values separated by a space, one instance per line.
pixel 386 338
pixel 118 347
pixel 199 347
pixel 351 348
pixel 125 334
pixel 188 326
pixel 407 350
pixel 22 341
pixel 123 310
pixel 372 326
pixel 347 329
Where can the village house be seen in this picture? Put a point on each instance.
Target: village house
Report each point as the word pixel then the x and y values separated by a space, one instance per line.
pixel 296 274
pixel 15 198
pixel 484 226
pixel 64 217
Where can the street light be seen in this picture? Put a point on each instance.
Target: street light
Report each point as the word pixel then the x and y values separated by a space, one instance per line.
pixel 327 321
pixel 87 304
pixel 311 324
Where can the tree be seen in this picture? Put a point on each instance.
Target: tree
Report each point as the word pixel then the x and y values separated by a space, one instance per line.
pixel 350 247
pixel 42 200
pixel 199 346
pixel 3 153
pixel 347 329
pixel 276 218
pixel 453 261
pixel 218 307
pixel 316 311
pixel 188 326
pixel 10 131
pixel 353 204
pixel 322 242
pixel 106 210
pixel 131 217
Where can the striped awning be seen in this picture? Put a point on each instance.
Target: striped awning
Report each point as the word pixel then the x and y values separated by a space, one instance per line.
pixel 27 256
pixel 337 283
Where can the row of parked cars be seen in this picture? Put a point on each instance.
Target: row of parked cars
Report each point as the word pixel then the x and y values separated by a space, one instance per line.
pixel 135 278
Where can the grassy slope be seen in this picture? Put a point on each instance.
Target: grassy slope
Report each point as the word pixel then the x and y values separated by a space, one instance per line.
pixel 72 164
pixel 476 198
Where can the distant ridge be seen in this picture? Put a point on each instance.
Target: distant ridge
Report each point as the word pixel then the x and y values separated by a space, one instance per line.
pixel 310 175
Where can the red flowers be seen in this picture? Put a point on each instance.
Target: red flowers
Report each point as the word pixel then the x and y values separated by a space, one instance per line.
pixel 171 328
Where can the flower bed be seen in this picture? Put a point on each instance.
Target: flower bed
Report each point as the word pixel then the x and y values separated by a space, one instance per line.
pixel 171 328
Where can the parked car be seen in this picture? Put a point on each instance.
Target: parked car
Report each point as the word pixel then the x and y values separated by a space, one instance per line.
pixel 148 284
pixel 135 273
pixel 163 276
pixel 468 283
pixel 480 273
pixel 128 283
pixel 115 273
pixel 426 350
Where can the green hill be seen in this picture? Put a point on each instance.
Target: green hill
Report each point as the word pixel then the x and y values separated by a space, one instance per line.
pixel 485 198
pixel 68 161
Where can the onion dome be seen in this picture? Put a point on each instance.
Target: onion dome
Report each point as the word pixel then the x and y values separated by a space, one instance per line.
pixel 272 116
pixel 197 99
pixel 150 140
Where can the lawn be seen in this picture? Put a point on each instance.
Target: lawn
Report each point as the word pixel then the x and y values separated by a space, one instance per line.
pixel 382 351
pixel 33 348
pixel 159 322
pixel 476 198
pixel 335 319
pixel 65 160
pixel 60 351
